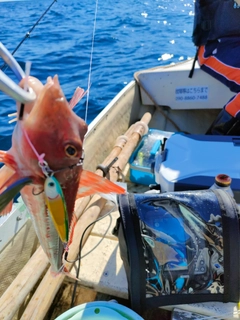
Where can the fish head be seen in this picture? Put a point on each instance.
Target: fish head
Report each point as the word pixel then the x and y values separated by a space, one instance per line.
pixel 37 87
pixel 54 129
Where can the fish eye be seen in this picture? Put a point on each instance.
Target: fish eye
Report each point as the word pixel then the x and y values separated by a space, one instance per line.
pixel 70 150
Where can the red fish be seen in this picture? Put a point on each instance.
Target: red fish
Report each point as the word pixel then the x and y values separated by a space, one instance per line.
pixel 52 132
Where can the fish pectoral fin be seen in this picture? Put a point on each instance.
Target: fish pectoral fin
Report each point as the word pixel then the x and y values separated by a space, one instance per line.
pixel 7 208
pixel 91 183
pixel 7 176
pixel 6 197
pixel 8 160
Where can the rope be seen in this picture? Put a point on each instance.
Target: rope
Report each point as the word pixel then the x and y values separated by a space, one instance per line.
pixel 91 58
pixel 27 35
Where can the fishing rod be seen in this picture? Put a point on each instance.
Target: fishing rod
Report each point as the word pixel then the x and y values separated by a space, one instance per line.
pixel 27 35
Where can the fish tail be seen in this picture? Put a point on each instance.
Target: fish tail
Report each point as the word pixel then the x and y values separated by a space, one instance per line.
pixel 65 271
pixel 63 268
pixel 68 274
pixel 91 183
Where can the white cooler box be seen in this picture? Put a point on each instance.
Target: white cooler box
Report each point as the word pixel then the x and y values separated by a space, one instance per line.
pixel 191 162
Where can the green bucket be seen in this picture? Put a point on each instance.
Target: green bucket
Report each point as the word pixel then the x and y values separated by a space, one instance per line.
pixel 99 310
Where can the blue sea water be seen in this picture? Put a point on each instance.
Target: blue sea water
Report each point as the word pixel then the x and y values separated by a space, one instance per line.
pixel 129 35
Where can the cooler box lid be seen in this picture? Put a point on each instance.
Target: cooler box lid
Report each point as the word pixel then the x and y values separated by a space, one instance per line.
pixel 194 160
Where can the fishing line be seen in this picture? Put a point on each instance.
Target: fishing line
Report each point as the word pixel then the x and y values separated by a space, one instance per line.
pixel 80 250
pixel 91 58
pixel 96 245
pixel 99 242
pixel 27 35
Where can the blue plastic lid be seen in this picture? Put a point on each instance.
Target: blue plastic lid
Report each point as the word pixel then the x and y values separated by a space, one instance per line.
pixel 100 310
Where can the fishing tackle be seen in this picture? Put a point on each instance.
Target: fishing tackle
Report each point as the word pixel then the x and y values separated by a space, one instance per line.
pixel 57 207
pixel 36 194
pixel 54 196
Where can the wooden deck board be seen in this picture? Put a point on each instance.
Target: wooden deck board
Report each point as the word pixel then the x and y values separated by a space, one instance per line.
pixel 103 228
pixel 102 269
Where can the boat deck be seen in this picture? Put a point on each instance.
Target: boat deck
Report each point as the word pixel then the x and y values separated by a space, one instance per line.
pixel 102 275
pixel 101 266
pixel 39 295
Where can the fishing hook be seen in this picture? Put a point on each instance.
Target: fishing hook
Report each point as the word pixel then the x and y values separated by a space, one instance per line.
pixel 79 163
pixel 36 194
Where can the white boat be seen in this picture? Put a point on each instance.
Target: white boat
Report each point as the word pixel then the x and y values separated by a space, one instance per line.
pixel 167 100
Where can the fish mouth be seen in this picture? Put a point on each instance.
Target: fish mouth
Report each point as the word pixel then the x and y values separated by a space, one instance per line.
pixel 7 85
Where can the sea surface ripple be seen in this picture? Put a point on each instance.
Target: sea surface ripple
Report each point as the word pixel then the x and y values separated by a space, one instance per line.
pixel 129 35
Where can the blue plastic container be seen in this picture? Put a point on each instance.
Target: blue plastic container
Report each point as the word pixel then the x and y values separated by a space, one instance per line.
pixel 143 158
pixel 100 310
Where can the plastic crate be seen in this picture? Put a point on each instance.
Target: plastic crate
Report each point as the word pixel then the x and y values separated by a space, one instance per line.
pixel 143 158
